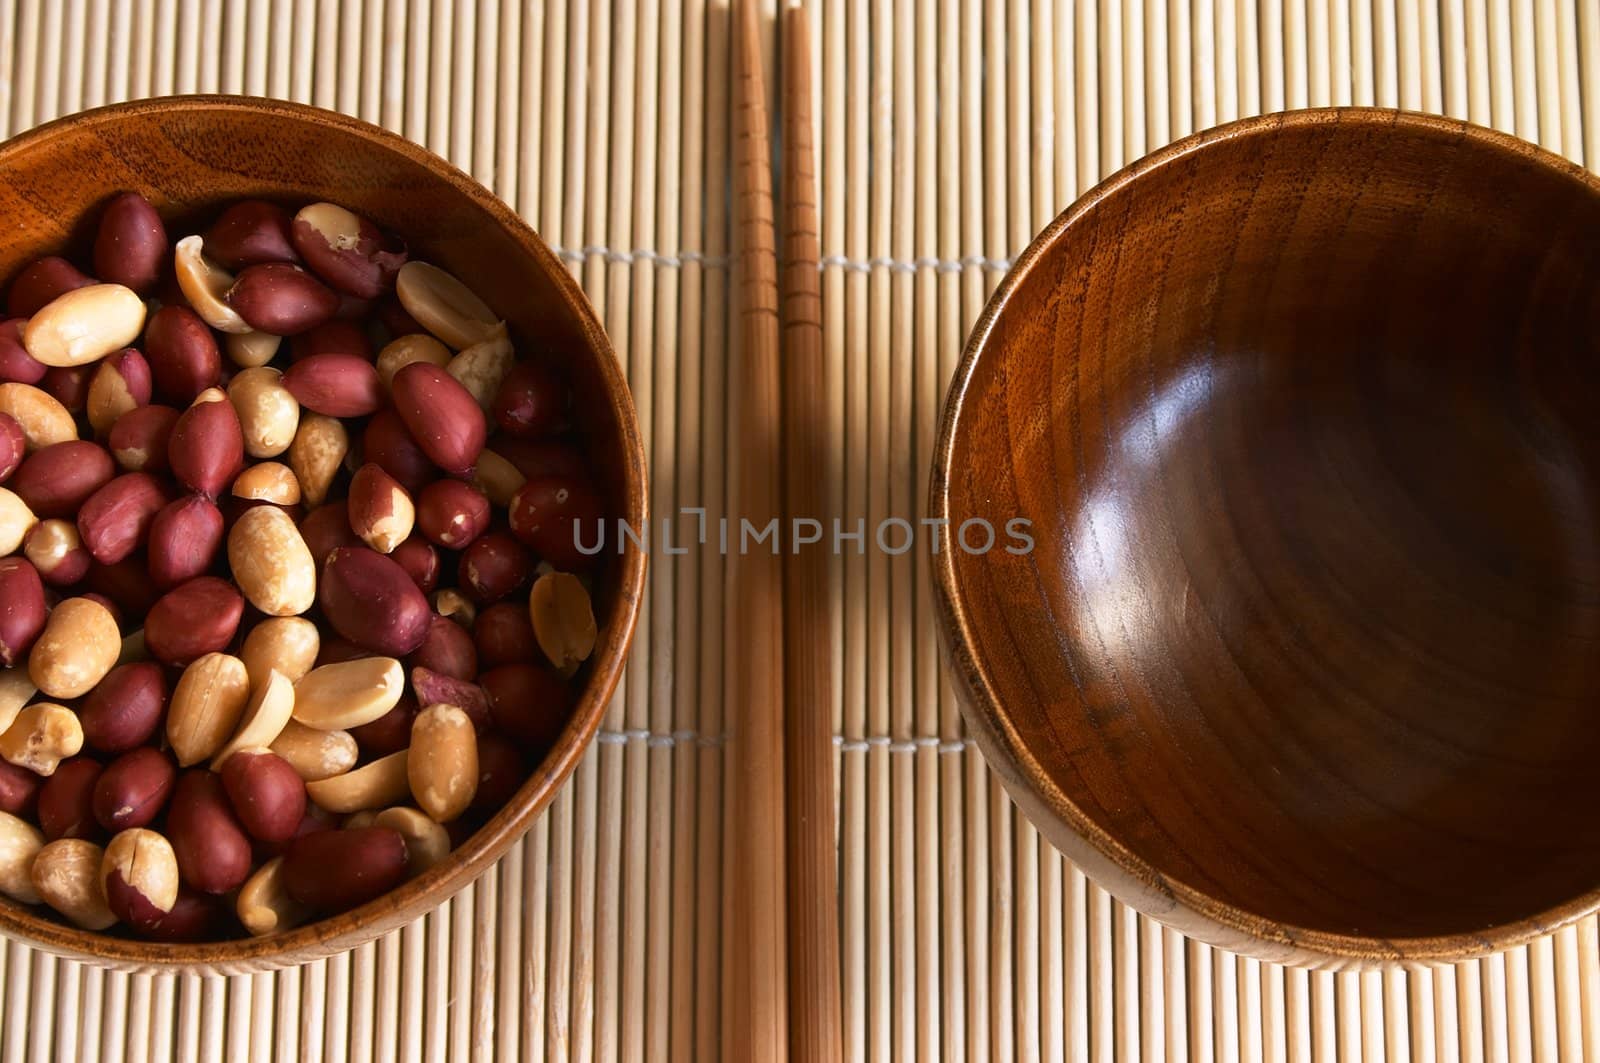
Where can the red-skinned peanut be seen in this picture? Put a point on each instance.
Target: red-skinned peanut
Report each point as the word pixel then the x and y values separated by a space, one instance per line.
pixel 131 247
pixel 420 560
pixel 183 355
pixel 206 450
pixel 452 514
pixel 249 233
pixel 192 620
pixel 185 538
pixel 493 567
pixel 40 283
pixel 115 520
pixel 66 800
pixel 336 385
pixel 441 415
pixel 125 709
pixel 133 789
pixel 140 437
pixel 212 848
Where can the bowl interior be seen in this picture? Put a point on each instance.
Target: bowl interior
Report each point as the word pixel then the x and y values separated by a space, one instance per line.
pixel 189 156
pixel 1302 417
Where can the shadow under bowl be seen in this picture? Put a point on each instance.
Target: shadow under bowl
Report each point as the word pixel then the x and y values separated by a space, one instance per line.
pixel 192 155
pixel 1305 657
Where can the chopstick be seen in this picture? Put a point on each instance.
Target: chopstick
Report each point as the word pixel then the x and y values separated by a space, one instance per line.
pixel 755 990
pixel 815 1033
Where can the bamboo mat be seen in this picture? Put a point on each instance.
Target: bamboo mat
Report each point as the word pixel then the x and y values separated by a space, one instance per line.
pixel 948 132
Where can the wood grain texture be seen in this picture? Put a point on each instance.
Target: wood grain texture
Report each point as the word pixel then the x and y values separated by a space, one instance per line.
pixel 1299 412
pixel 755 993
pixel 814 1030
pixel 188 156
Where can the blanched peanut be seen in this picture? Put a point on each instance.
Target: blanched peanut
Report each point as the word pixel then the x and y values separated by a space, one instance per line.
pixel 497 478
pixel 79 645
pixel 16 521
pixel 442 765
pixel 268 414
pixel 379 784
pixel 84 325
pixel 288 644
pixel 265 716
pixel 414 347
pixel 20 842
pixel 482 367
pixel 563 620
pixel 457 606
pixel 43 420
pixel 268 481
pixel 271 563
pixel 316 754
pixel 204 284
pixel 15 691
pixel 250 350
pixel 206 706
pixel 264 906
pixel 66 875
pixel 443 305
pixel 41 737
pixel 337 697
pixel 319 448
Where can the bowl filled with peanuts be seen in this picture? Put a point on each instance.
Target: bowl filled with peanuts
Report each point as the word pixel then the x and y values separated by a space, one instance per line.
pixel 307 446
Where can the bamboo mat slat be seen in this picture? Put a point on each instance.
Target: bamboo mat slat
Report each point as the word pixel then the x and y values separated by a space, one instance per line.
pixel 947 133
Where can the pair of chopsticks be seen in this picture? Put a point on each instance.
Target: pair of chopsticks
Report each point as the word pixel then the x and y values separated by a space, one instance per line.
pixel 781 992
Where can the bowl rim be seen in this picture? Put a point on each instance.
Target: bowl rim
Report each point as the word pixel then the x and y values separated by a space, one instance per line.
pixel 468 861
pixel 1128 876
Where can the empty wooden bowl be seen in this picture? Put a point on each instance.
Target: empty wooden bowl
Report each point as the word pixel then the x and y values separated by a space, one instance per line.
pixel 1305 659
pixel 189 156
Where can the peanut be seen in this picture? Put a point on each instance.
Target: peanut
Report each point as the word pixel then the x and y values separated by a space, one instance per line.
pixel 337 697
pixel 268 414
pixel 563 620
pixel 383 782
pixel 120 383
pixel 84 325
pixel 319 447
pixel 442 765
pixel 139 876
pixel 443 305
pixel 268 481
pixel 41 737
pixel 288 644
pixel 271 563
pixel 264 906
pixel 206 706
pixel 265 715
pixel 316 754
pixel 20 842
pixel 79 645
pixel 205 284
pixel 66 875
pixel 381 512
pixel 43 420
pixel 335 870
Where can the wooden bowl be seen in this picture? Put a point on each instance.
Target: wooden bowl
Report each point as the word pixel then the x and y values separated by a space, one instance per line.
pixel 1305 659
pixel 189 155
